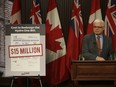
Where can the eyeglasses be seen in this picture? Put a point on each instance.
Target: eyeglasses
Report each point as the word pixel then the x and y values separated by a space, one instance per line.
pixel 98 26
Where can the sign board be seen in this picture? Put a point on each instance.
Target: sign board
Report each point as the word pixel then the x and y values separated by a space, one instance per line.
pixel 25 50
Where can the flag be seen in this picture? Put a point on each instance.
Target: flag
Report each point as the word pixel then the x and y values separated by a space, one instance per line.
pixel 110 22
pixel 76 33
pixel 55 47
pixel 35 17
pixel 95 13
pixel 15 17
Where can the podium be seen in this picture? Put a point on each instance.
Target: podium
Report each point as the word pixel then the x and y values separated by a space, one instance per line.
pixel 92 70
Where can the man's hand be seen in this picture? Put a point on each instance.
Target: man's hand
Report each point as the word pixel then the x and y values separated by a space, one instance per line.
pixel 100 58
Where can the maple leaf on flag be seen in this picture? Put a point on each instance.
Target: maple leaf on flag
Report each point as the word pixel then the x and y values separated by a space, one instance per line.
pixel 55 47
pixel 52 43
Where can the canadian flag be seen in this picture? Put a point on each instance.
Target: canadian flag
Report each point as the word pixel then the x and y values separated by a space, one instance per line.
pixel 55 47
pixel 15 17
pixel 94 14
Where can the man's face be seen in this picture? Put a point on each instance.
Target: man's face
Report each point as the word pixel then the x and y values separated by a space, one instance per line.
pixel 98 28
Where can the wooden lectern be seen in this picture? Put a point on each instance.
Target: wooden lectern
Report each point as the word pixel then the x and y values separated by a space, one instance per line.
pixel 92 70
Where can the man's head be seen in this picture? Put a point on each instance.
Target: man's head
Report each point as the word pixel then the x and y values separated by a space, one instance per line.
pixel 98 26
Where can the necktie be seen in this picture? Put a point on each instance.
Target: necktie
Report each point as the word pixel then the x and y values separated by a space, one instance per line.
pixel 98 45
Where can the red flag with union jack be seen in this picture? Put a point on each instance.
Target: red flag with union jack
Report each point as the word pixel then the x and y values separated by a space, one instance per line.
pixel 110 22
pixel 15 17
pixel 94 14
pixel 35 17
pixel 76 34
pixel 55 47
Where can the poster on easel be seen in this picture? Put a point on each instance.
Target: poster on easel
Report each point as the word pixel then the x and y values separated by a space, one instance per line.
pixel 25 50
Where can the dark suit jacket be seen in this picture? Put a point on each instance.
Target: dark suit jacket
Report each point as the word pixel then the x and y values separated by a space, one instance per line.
pixel 90 50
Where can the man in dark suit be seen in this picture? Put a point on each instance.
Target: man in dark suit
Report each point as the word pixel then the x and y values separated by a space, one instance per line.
pixel 90 48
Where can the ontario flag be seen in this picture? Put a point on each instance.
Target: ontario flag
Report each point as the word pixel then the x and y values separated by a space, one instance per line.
pixel 76 34
pixel 110 22
pixel 95 13
pixel 55 47
pixel 15 17
pixel 35 17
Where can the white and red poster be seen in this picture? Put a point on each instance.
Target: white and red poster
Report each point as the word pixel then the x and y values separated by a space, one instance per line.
pixel 25 50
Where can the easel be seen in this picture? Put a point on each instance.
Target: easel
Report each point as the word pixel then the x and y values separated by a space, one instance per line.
pixel 36 77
